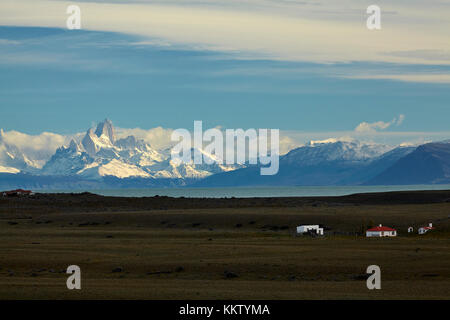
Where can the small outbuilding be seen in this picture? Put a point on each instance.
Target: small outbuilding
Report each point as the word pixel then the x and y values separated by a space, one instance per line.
pixel 313 228
pixel 381 231
pixel 423 230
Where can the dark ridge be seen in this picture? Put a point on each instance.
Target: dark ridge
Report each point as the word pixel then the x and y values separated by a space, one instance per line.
pixel 88 202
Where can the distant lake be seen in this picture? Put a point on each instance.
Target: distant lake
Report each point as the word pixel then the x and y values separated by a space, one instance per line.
pixel 250 192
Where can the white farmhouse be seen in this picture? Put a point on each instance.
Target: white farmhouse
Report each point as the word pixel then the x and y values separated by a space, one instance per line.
pixel 423 230
pixel 308 228
pixel 381 231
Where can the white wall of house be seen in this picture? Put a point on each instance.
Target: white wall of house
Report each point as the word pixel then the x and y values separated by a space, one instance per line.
pixel 381 233
pixel 313 227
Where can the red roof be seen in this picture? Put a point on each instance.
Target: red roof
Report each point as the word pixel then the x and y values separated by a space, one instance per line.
pixel 382 229
pixel 17 191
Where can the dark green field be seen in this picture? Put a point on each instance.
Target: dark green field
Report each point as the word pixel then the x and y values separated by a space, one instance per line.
pixel 167 248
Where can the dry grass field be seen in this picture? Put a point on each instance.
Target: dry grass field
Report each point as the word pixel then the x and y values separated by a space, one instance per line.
pixel 221 253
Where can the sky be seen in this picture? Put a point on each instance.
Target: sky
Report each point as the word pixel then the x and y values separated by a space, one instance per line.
pixel 309 68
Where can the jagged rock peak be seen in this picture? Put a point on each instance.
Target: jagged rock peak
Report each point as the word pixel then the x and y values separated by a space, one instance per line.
pixel 106 128
pixel 73 145
pixel 89 143
pixel 130 142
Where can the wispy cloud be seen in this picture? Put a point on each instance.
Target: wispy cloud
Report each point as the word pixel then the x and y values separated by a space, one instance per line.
pixel 268 29
pixel 407 77
pixel 365 127
pixel 9 42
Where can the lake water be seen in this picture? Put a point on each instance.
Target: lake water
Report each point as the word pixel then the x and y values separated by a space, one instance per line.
pixel 249 192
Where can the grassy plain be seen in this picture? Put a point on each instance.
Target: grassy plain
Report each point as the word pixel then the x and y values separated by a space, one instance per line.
pixel 221 253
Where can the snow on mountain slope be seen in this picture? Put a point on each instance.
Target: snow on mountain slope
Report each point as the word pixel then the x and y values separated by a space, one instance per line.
pixel 138 152
pixel 93 143
pixel 121 170
pixel 100 154
pixel 330 162
pixel 211 165
pixel 317 152
pixel 67 161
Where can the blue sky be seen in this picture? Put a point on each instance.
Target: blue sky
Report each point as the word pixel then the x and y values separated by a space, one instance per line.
pixel 57 80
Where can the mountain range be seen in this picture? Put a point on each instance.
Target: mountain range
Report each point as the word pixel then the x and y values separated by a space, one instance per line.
pixel 318 164
pixel 100 160
pixel 100 154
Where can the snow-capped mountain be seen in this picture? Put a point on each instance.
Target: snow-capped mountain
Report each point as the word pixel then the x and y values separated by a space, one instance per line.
pixel 12 160
pixel 101 154
pixel 67 161
pixel 330 162
pixel 317 152
pixel 101 159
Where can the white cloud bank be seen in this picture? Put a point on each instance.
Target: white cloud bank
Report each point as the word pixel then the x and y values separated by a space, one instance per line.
pixel 334 31
pixel 37 148
pixel 158 138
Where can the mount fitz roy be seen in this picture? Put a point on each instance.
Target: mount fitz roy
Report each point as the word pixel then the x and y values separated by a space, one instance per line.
pixel 100 154
pixel 100 160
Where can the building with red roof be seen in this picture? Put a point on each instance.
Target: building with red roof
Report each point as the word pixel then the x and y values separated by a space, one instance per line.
pixel 18 192
pixel 423 230
pixel 381 231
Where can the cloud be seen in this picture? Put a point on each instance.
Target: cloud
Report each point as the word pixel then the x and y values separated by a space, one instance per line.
pixel 393 138
pixel 400 119
pixel 266 29
pixel 37 148
pixel 443 78
pixel 9 42
pixel 365 127
pixel 158 138
pixel 288 143
pixel 437 55
pixel 372 127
